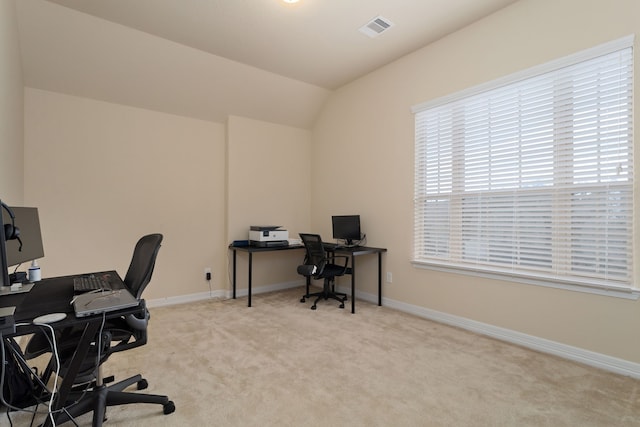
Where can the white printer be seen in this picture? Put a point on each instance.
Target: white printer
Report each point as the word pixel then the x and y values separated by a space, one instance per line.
pixel 267 236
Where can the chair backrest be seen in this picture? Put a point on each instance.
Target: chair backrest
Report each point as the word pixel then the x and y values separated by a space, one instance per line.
pixel 316 254
pixel 142 263
pixel 137 278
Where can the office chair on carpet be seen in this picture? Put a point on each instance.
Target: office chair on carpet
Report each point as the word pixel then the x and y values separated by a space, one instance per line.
pixel 119 334
pixel 318 264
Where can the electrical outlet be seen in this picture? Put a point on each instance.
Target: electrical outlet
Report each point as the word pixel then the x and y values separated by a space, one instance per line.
pixel 389 277
pixel 207 273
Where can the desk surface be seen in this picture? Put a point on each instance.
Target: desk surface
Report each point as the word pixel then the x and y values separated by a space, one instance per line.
pixel 354 250
pixel 264 249
pixel 54 295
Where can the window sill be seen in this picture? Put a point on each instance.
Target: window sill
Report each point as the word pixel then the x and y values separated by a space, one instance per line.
pixel 550 282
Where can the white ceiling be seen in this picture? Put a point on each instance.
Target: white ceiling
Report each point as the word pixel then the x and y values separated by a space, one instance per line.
pixel 256 51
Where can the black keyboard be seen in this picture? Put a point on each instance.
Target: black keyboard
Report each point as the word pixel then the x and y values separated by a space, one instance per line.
pixel 90 283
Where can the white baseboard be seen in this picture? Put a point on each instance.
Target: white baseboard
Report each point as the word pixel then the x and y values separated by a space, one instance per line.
pixel 591 358
pixel 267 288
pixel 182 299
pixel 598 360
pixel 224 294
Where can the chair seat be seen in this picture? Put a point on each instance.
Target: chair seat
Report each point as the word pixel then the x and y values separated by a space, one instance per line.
pixel 331 270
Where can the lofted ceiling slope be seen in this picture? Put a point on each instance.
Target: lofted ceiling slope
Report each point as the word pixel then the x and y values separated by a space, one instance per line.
pixel 209 59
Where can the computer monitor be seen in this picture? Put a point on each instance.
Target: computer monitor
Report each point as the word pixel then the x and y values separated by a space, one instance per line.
pixel 4 277
pixel 29 246
pixel 346 227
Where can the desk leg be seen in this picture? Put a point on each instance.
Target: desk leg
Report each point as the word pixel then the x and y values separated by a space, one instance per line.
pixel 250 269
pixel 353 284
pixel 379 278
pixel 234 274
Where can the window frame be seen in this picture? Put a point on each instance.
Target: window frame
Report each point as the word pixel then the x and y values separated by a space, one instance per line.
pixel 630 291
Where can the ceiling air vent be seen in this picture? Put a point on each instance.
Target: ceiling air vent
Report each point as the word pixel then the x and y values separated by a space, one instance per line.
pixel 376 26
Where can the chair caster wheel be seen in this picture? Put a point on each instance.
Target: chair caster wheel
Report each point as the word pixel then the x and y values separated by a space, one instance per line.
pixel 142 384
pixel 342 305
pixel 302 299
pixel 168 408
pixel 313 307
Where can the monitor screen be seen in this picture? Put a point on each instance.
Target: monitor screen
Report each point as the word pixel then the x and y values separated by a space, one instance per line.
pixel 4 281
pixel 346 227
pixel 27 220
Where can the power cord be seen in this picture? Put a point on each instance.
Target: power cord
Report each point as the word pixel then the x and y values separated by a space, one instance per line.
pixel 54 388
pixel 3 359
pixel 208 278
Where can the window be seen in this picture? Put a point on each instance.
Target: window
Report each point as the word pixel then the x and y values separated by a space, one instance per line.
pixel 532 176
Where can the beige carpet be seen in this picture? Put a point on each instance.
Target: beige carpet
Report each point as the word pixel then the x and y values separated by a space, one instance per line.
pixel 281 364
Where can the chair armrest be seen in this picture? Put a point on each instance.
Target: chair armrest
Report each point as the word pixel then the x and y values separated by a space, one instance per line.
pixel 334 258
pixel 137 323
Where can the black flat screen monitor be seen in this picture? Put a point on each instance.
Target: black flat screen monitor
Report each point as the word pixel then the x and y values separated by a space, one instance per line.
pixel 27 220
pixel 3 259
pixel 346 227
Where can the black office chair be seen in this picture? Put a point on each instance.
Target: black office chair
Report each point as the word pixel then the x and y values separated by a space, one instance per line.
pixel 319 264
pixel 118 335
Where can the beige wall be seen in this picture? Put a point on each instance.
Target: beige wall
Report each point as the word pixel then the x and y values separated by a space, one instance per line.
pixel 102 175
pixel 11 111
pixel 102 172
pixel 269 182
pixel 370 124
pixel 268 176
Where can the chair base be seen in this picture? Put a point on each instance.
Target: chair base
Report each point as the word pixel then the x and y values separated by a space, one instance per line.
pixel 327 292
pixel 100 397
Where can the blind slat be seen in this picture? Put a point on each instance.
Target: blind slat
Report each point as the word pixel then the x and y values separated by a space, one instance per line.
pixel 532 176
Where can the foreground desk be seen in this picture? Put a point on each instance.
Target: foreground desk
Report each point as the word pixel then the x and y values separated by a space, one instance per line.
pixel 351 252
pixel 54 296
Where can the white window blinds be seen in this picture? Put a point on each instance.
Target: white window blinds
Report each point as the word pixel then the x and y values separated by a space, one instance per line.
pixel 533 177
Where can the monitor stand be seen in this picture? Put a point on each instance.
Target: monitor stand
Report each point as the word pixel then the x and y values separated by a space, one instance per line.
pixel 10 290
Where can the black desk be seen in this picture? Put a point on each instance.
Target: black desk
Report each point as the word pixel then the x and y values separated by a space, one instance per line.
pixel 53 296
pixel 251 250
pixel 351 252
